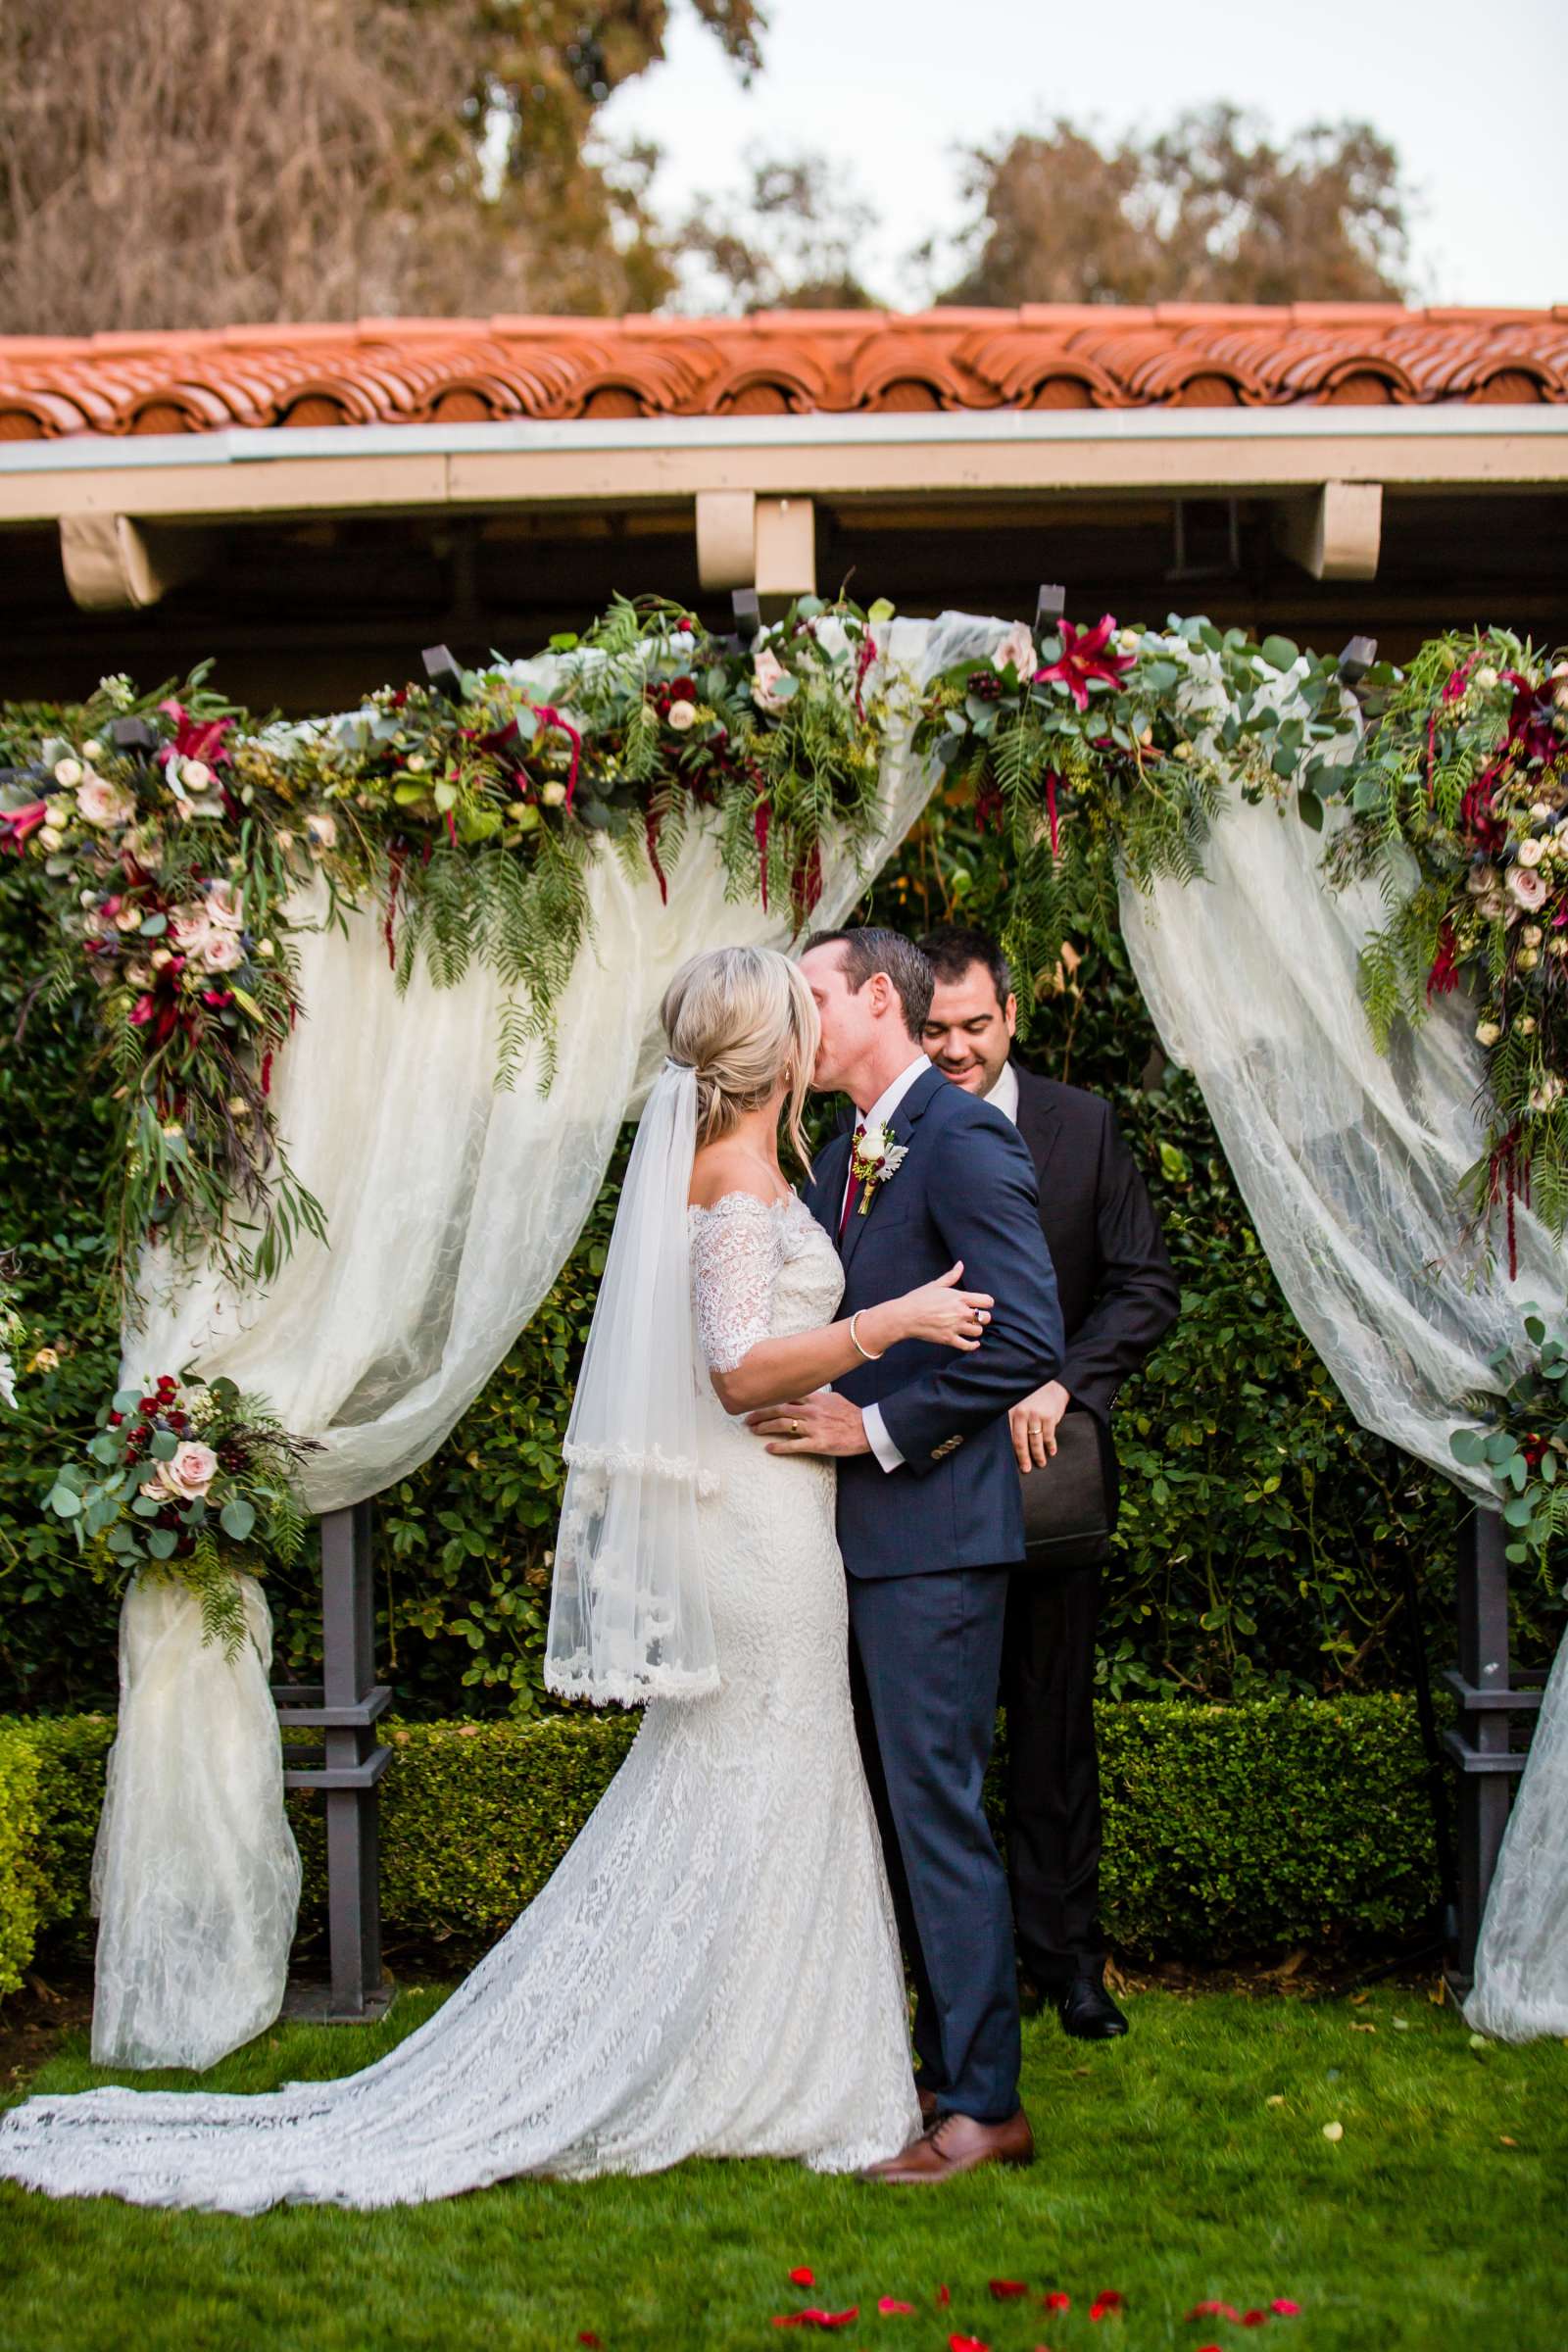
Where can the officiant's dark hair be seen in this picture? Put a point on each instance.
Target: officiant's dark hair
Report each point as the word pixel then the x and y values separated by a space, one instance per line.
pixel 869 948
pixel 951 947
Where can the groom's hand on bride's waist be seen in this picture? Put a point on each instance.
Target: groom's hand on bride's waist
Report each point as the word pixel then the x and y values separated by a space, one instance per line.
pixel 821 1424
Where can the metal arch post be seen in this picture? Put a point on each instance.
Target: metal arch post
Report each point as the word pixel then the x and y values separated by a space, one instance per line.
pixel 1481 1743
pixel 345 1706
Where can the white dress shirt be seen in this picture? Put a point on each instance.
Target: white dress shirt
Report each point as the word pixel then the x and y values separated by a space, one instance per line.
pixel 1005 1095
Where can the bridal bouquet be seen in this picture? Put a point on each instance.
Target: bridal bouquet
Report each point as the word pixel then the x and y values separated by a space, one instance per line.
pixel 186 1480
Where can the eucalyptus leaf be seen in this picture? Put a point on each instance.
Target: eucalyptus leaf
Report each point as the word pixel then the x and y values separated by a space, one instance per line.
pixel 161 1543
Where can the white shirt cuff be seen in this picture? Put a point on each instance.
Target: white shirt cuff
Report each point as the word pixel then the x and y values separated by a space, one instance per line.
pixel 882 1445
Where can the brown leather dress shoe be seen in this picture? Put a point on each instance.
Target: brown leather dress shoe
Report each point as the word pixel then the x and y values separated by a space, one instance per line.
pixel 957 2143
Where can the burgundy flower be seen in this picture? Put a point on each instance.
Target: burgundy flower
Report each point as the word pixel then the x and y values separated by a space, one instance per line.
pixel 194 739
pixel 1084 658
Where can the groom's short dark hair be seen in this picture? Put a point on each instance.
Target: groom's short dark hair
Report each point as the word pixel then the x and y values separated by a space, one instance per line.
pixel 869 948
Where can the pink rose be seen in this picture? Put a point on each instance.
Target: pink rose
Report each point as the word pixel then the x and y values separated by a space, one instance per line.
pixel 682 716
pixel 1526 886
pixel 223 907
pixel 1016 651
pixel 189 1473
pixel 766 671
pixel 221 951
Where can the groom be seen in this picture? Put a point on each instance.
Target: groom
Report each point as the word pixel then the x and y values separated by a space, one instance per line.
pixel 929 1516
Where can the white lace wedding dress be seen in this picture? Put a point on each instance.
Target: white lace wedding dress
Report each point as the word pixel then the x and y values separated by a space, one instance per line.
pixel 713 1968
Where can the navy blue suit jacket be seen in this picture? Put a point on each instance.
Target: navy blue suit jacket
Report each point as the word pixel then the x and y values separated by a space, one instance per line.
pixel 965 1189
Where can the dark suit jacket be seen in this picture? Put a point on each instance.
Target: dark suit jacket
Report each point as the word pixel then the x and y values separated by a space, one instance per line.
pixel 967 1190
pixel 1118 1293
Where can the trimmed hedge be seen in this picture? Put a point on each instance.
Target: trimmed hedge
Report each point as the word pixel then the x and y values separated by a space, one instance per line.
pixel 1229 1829
pixel 22 1879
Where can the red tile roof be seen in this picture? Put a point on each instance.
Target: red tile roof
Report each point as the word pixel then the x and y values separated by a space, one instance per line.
pixel 1047 355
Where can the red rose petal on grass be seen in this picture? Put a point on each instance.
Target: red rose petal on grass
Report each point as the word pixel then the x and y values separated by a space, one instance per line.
pixel 891 2308
pixel 802 2278
pixel 1056 2300
pixel 1255 2318
pixel 589 2338
pixel 1284 2306
pixel 1213 2311
pixel 966 2344
pixel 817 2319
pixel 944 2297
pixel 1105 2305
pixel 1007 2291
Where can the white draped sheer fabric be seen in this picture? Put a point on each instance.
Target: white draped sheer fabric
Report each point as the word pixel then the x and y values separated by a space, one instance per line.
pixel 194 1931
pixel 1349 1163
pixel 628 1605
pixel 714 1969
pixel 451 1207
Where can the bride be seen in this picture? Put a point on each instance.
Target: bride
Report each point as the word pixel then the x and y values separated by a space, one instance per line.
pixel 713 1968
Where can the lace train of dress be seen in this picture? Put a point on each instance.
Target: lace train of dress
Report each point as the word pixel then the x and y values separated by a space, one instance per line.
pixel 712 1969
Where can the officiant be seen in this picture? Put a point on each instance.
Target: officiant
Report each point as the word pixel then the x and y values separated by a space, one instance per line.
pixel 1119 1296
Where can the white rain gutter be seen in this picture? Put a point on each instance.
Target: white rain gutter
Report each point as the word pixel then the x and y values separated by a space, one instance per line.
pixel 636 460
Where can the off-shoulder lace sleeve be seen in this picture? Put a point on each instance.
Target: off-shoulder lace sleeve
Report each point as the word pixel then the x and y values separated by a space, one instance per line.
pixel 736 1254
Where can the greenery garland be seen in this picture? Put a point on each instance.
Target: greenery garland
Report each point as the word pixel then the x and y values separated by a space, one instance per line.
pixel 469 811
pixel 172 827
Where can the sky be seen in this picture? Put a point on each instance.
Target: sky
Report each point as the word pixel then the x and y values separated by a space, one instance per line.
pixel 1475 100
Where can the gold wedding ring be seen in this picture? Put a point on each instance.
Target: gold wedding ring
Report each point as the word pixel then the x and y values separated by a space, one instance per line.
pixel 795 1429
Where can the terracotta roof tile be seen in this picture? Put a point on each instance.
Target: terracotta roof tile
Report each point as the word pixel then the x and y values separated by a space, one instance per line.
pixel 409 371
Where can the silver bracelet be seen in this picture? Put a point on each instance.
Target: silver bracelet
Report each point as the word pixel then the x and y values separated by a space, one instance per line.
pixel 856 1337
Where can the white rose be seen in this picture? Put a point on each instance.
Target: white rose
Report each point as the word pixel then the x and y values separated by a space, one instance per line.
pixel 1531 935
pixel 1525 1024
pixel 103 803
pixel 189 1471
pixel 1547 1094
pixel 1480 879
pixel 766 671
pixel 284 838
pixel 263 947
pixel 139 974
pixel 1531 851
pixel 67 772
pixel 221 951
pixel 128 919
pixel 161 957
pixel 1488 1032
pixel 50 838
pixel 1541 812
pixel 1486 679
pixel 415 763
pixel 681 715
pixel 1016 651
pixel 195 775
pixel 322 831
pixel 552 794
pixel 1129 640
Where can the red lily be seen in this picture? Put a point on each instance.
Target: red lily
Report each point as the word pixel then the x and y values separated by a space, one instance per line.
pixel 194 739
pixel 1084 658
pixel 16 823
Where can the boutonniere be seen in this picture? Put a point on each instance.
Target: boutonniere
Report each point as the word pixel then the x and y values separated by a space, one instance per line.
pixel 874 1159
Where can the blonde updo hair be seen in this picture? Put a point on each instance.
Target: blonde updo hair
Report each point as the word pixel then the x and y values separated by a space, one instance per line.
pixel 743 1018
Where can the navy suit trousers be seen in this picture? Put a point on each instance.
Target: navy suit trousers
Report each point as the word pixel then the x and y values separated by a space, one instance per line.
pixel 925 1656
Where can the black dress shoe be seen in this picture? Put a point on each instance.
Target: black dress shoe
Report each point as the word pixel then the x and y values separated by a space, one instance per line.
pixel 1087 2011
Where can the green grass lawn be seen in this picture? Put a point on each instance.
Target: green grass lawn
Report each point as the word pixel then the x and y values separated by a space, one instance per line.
pixel 1188 2164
